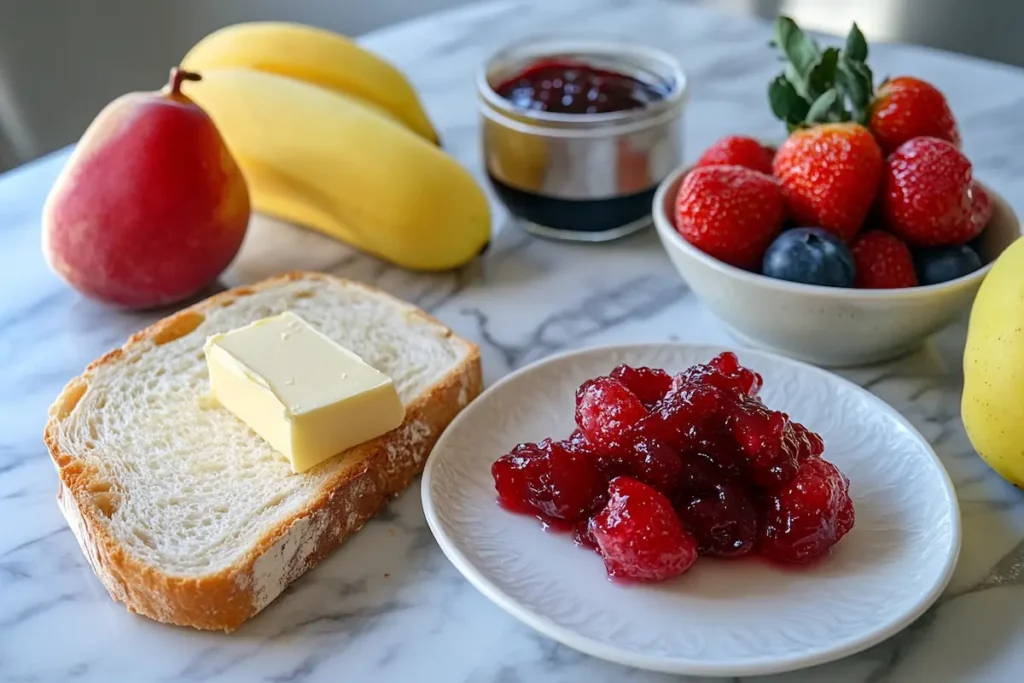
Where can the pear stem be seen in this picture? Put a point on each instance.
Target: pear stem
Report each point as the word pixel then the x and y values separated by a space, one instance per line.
pixel 179 76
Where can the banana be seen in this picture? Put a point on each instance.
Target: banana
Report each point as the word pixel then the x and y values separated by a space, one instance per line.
pixel 322 159
pixel 315 56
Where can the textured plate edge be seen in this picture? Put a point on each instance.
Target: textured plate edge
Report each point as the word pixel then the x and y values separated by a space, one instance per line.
pixel 774 665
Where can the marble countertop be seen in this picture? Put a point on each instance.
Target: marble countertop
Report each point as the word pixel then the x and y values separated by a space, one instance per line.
pixel 388 606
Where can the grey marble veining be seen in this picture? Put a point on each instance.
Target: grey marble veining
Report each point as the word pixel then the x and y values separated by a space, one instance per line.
pixel 388 606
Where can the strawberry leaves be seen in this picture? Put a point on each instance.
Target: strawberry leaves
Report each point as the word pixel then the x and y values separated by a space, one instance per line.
pixel 823 109
pixel 820 86
pixel 855 80
pixel 799 49
pixel 786 103
pixel 822 75
pixel 856 45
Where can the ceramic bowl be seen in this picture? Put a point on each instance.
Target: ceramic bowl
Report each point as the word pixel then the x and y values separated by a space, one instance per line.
pixel 827 326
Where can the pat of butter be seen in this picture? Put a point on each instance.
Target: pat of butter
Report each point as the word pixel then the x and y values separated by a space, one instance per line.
pixel 306 395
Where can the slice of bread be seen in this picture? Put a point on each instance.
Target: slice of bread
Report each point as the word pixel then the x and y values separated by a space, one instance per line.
pixel 187 516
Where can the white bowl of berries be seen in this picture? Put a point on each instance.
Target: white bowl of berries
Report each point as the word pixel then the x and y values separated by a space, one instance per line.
pixel 851 243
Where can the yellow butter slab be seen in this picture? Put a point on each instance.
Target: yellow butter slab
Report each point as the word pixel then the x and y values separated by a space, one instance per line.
pixel 306 395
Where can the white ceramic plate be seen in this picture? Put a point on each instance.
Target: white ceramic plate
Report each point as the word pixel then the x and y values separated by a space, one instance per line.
pixel 722 618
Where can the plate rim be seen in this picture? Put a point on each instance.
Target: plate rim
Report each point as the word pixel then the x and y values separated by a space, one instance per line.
pixel 611 653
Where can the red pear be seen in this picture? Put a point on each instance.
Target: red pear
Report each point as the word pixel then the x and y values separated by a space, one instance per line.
pixel 150 207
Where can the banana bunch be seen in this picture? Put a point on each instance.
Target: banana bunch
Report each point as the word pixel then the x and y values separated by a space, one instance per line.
pixel 332 137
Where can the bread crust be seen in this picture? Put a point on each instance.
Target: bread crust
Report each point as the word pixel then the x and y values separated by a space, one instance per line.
pixel 226 599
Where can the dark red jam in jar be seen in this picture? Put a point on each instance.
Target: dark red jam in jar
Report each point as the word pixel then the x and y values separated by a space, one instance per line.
pixel 577 134
pixel 570 87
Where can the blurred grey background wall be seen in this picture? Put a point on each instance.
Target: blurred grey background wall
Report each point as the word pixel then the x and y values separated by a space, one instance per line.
pixel 62 60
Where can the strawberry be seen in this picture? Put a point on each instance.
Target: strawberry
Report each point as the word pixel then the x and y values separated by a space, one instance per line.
pixel 981 208
pixel 829 175
pixel 738 150
pixel 730 212
pixel 639 535
pixel 883 261
pixel 926 193
pixel 905 108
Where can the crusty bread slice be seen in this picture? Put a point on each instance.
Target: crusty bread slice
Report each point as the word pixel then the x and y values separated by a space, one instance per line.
pixel 187 516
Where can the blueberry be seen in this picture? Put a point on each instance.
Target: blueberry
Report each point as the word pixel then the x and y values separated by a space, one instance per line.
pixel 810 255
pixel 942 264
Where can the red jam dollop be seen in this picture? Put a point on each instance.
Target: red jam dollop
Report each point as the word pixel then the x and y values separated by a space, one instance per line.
pixel 567 87
pixel 663 468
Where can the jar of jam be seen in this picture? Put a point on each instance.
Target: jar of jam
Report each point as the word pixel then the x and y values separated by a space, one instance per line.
pixel 577 134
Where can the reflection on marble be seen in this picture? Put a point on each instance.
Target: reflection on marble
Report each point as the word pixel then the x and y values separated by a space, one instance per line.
pixel 388 606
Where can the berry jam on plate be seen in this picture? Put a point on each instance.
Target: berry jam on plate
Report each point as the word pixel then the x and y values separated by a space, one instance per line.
pixel 757 530
pixel 661 467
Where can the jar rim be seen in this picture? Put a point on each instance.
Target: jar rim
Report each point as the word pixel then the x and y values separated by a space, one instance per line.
pixel 520 53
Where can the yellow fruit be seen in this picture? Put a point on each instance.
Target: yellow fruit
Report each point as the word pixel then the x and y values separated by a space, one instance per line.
pixel 993 399
pixel 322 159
pixel 316 56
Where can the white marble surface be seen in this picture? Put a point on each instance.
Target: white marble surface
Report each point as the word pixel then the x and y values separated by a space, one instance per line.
pixel 388 606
